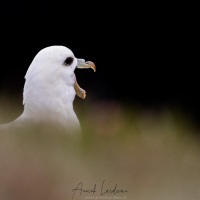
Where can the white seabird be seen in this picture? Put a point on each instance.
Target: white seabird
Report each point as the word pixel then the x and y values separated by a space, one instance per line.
pixel 50 88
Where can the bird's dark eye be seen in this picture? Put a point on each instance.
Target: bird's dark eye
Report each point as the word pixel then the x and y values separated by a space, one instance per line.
pixel 68 61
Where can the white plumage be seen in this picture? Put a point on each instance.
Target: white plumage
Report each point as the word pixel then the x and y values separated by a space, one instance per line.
pixel 49 89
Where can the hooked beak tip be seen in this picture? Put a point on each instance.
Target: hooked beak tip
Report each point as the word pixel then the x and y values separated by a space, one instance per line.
pixel 92 65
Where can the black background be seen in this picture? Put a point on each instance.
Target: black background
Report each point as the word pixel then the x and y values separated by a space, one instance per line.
pixel 145 54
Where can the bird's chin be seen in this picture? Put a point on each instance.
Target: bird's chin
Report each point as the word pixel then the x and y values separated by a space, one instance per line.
pixel 83 65
pixel 73 78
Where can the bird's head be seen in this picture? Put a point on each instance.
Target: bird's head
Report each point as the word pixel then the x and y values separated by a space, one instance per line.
pixel 54 66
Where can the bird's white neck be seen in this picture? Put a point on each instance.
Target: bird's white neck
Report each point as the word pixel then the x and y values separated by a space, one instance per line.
pixel 50 102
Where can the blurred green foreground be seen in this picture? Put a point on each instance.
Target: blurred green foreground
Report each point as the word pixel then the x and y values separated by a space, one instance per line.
pixel 154 156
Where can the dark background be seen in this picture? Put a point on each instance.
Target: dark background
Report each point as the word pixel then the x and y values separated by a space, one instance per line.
pixel 145 56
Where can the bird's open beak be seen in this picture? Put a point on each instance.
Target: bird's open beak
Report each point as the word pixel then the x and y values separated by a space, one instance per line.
pixel 81 64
